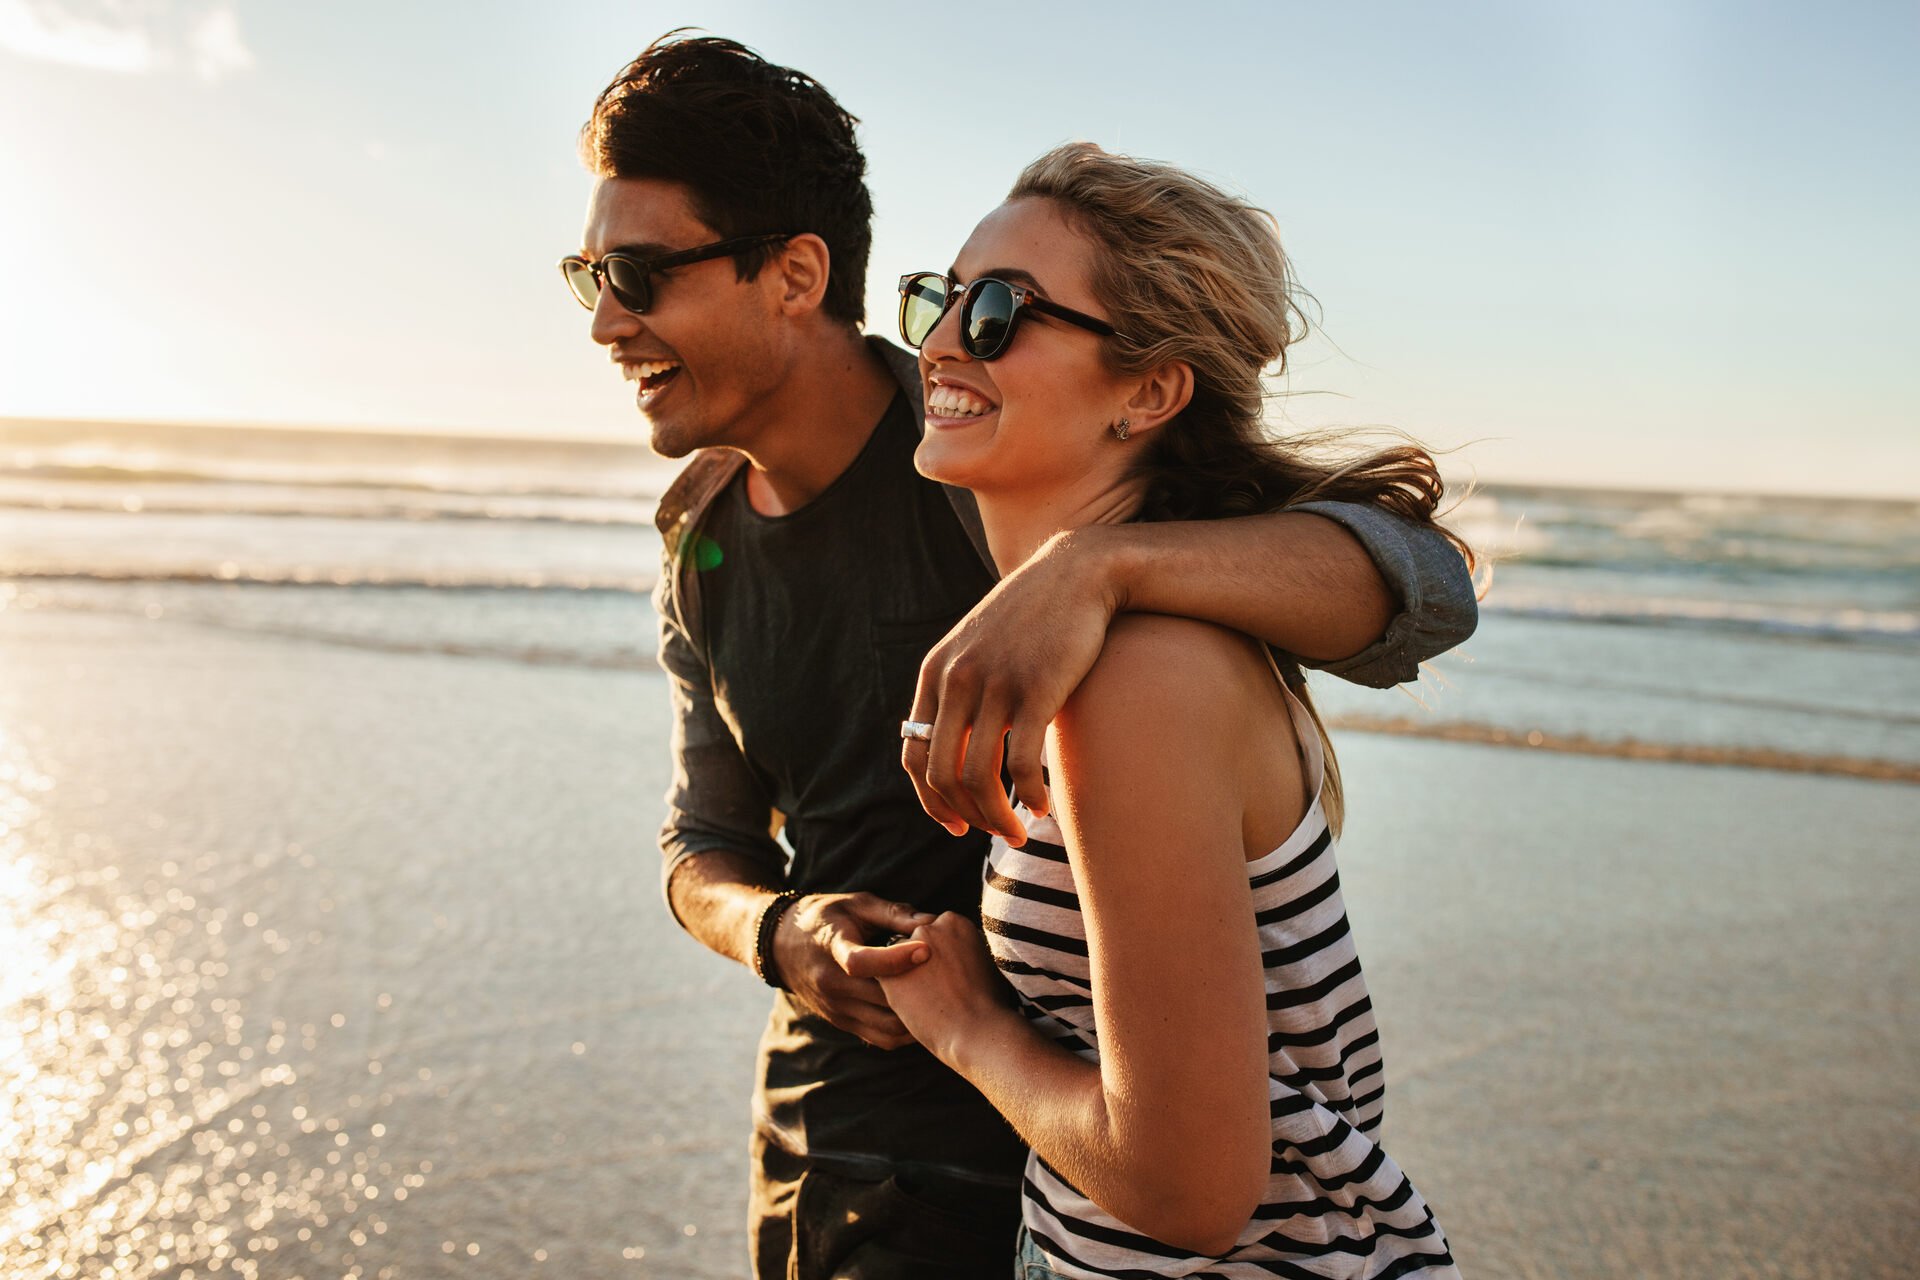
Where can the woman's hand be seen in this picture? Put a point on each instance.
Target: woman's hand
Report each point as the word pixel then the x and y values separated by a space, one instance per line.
pixel 955 994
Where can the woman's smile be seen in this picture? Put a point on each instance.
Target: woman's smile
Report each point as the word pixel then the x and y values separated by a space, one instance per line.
pixel 953 404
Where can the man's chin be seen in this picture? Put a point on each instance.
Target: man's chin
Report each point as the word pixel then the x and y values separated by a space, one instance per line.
pixel 671 439
pixel 672 450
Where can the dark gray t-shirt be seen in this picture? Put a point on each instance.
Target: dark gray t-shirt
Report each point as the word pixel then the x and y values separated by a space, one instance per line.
pixel 814 625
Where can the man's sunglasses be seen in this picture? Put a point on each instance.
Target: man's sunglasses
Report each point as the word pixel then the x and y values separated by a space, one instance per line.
pixel 631 278
pixel 989 312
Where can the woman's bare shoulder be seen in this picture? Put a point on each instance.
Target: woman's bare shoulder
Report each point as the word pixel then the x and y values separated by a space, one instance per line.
pixel 1176 681
pixel 1153 655
pixel 1179 715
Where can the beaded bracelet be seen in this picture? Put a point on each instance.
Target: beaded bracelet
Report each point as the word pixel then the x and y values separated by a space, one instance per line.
pixel 764 967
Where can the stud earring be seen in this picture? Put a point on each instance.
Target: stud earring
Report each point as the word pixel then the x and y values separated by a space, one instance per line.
pixel 1120 428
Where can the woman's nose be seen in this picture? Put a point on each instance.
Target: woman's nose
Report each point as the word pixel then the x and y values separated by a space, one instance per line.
pixel 943 340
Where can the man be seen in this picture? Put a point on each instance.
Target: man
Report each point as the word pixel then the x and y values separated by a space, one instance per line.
pixel 808 571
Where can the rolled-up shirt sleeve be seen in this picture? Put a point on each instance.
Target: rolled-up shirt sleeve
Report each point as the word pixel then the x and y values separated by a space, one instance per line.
pixel 1437 606
pixel 714 800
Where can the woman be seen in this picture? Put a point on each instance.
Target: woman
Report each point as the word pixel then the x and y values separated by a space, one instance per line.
pixel 1193 1059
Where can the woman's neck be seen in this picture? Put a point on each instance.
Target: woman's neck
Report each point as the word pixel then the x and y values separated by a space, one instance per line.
pixel 1018 523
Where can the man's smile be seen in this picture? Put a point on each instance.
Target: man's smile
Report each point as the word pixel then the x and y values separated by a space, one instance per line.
pixel 652 375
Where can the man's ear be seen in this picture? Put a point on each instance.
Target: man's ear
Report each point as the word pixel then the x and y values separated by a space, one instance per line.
pixel 1160 396
pixel 800 268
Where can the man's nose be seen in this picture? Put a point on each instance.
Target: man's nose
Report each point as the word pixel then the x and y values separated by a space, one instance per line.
pixel 611 320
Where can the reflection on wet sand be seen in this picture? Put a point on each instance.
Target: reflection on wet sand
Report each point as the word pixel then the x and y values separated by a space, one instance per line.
pixel 323 962
pixel 152 1124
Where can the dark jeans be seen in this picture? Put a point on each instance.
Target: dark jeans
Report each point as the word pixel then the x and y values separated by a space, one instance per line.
pixel 808 1222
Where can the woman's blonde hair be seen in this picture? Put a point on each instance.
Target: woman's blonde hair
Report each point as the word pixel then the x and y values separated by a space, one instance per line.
pixel 1190 272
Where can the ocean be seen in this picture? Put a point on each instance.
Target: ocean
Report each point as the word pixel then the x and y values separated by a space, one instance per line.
pixel 331 942
pixel 1653 622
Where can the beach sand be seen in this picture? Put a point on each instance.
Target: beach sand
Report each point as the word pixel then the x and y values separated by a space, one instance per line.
pixel 322 960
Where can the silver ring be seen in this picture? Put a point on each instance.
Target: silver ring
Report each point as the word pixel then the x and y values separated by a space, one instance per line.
pixel 918 730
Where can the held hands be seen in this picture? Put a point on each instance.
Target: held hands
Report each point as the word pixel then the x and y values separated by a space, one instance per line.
pixel 953 994
pixel 821 951
pixel 992 685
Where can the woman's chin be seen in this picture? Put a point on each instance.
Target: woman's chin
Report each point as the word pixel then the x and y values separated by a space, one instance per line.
pixel 942 458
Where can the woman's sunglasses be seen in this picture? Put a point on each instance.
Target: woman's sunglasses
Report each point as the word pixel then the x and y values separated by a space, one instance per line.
pixel 631 278
pixel 989 312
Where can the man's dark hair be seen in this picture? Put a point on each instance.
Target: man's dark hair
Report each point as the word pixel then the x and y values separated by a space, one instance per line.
pixel 762 150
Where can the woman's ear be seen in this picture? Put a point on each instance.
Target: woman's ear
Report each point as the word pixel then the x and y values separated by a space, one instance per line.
pixel 1160 396
pixel 800 268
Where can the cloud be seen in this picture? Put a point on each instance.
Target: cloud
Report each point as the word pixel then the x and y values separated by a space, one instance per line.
pixel 216 45
pixel 132 37
pixel 56 33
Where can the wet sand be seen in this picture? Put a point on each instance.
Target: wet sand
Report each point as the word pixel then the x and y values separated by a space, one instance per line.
pixel 327 961
pixel 1493 735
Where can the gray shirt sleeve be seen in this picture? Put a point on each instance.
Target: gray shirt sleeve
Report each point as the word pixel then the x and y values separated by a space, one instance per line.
pixel 1426 572
pixel 714 800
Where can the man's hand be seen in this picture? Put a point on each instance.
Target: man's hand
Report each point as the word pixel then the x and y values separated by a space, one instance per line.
pixel 821 951
pixel 993 684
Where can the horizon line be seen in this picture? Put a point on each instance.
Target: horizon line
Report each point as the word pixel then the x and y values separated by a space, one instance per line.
pixel 1465 483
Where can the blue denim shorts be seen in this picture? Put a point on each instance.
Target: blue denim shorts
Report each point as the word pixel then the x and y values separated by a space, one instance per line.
pixel 1031 1264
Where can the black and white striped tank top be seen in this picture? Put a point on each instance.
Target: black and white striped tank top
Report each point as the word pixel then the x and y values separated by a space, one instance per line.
pixel 1335 1205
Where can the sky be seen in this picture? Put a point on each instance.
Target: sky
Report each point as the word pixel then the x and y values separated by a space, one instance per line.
pixel 1662 245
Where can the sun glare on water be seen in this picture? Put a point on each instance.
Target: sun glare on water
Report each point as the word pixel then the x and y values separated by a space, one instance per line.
pixel 150 1127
